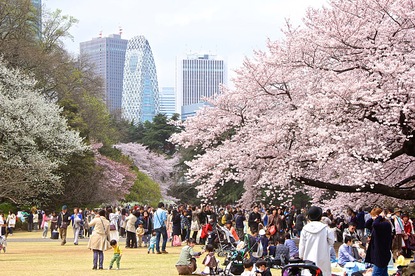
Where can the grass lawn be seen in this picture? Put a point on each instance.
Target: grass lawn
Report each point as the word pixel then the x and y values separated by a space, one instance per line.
pixel 37 256
pixel 28 254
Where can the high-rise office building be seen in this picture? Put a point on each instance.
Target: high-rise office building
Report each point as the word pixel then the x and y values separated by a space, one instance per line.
pixel 108 56
pixel 167 101
pixel 198 77
pixel 140 100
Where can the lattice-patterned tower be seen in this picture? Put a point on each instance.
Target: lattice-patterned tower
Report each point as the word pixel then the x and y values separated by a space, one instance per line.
pixel 140 99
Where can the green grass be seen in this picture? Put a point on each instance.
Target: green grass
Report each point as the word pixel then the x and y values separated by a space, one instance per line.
pixel 50 258
pixel 47 257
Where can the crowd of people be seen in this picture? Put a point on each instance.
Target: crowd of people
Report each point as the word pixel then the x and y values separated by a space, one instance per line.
pixel 279 233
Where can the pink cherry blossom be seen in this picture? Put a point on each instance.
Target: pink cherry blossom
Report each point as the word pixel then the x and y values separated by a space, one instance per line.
pixel 331 106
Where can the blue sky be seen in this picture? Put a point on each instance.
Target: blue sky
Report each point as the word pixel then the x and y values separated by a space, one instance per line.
pixel 231 29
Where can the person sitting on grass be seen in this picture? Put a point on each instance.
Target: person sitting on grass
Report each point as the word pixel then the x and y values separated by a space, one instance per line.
pixel 346 251
pixel 282 252
pixel 186 264
pixel 117 254
pixel 291 245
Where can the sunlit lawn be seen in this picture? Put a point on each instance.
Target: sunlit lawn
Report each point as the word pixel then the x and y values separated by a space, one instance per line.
pixel 44 257
pixel 47 257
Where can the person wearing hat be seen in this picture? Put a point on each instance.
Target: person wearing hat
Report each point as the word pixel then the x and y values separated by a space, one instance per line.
pixel 399 232
pixel 315 241
pixel 63 221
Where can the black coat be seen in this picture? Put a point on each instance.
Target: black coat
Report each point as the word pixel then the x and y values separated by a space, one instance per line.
pixel 251 220
pixel 176 219
pixel 378 252
pixel 148 224
pixel 63 218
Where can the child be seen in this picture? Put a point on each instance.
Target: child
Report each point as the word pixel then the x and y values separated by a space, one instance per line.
pixel 262 268
pixel 210 262
pixel 45 224
pixel 140 233
pixel 153 241
pixel 248 265
pixel 117 254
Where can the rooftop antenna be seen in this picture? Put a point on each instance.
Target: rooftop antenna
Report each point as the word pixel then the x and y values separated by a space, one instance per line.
pixel 100 34
pixel 120 30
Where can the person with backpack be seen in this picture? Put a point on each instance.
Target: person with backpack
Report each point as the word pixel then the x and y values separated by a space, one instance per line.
pixel 210 262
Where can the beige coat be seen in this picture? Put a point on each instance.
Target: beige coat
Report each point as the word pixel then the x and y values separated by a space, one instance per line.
pixel 100 235
pixel 130 223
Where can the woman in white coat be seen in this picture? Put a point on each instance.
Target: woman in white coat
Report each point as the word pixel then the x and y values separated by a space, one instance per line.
pixel 98 241
pixel 315 241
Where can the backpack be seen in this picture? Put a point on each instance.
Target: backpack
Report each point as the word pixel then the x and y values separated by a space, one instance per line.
pixel 223 220
pixel 213 262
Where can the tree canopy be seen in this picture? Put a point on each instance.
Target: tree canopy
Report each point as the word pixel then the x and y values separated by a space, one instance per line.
pixel 40 162
pixel 35 139
pixel 331 106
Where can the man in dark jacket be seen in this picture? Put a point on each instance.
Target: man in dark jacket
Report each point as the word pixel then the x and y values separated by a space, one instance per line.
pixel 360 226
pixel 254 220
pixel 63 221
pixel 378 252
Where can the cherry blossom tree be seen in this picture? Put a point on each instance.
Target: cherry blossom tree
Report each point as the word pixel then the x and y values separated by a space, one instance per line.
pixel 331 106
pixel 34 140
pixel 158 167
pixel 116 181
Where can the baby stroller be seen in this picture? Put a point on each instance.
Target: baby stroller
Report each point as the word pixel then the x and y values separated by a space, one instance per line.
pixel 3 243
pixel 296 269
pixel 234 262
pixel 225 241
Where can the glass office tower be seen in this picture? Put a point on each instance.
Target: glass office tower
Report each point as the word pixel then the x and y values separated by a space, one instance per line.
pixel 140 100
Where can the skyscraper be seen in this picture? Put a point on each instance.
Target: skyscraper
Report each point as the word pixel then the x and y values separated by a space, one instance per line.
pixel 167 101
pixel 140 100
pixel 108 55
pixel 198 76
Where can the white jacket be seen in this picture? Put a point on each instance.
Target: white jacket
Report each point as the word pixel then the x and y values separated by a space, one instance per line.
pixel 315 241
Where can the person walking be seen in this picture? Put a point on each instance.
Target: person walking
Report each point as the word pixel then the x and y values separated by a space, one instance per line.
pixel 63 222
pixel 45 224
pixel 315 241
pixel 159 223
pixel 76 219
pixel 98 242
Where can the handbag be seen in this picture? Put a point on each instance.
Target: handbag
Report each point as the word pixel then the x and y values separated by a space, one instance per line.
pixel 272 229
pixel 112 227
pixel 177 241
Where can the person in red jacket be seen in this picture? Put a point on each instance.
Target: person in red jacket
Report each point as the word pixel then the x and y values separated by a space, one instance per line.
pixel 206 229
